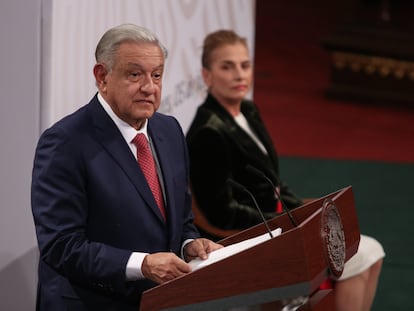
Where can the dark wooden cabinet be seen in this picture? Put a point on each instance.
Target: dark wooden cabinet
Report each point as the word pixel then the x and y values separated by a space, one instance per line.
pixel 372 52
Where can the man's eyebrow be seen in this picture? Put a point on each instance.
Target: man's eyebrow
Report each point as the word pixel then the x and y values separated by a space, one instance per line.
pixel 136 65
pixel 133 65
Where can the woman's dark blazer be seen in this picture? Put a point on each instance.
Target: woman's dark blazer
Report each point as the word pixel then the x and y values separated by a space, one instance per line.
pixel 220 150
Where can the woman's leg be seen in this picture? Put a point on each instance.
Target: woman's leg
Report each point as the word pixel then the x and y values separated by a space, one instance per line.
pixel 357 293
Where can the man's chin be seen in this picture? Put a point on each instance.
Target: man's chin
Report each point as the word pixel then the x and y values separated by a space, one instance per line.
pixel 145 114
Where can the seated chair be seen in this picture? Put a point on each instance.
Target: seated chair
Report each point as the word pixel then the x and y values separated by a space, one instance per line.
pixel 207 229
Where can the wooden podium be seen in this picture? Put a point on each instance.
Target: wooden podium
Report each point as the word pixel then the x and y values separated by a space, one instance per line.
pixel 287 266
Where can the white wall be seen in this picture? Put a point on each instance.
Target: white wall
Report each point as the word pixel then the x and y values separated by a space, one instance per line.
pixel 73 28
pixel 46 60
pixel 19 128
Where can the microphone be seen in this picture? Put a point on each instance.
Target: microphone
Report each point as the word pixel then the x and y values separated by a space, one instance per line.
pixel 260 174
pixel 238 186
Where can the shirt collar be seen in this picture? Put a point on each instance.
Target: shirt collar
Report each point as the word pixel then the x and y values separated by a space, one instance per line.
pixel 127 131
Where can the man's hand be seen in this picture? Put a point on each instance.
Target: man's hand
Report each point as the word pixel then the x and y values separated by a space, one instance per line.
pixel 163 267
pixel 199 248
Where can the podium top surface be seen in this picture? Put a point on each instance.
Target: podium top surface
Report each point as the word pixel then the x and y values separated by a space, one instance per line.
pixel 292 264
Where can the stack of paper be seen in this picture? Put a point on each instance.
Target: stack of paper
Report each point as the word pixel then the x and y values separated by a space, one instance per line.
pixel 232 249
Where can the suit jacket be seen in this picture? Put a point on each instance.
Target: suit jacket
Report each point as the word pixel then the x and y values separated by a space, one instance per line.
pixel 220 149
pixel 92 207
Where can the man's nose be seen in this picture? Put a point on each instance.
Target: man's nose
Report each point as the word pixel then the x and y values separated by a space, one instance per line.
pixel 148 85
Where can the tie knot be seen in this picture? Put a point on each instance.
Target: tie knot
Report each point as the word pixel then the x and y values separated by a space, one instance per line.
pixel 140 141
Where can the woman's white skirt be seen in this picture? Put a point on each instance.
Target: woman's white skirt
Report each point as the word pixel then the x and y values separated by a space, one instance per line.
pixel 369 251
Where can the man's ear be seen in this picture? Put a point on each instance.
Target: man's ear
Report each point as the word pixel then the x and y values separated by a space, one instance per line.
pixel 100 72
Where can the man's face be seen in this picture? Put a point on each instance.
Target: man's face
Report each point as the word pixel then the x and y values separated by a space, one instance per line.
pixel 133 87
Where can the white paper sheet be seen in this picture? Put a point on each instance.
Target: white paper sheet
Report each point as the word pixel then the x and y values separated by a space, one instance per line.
pixel 232 249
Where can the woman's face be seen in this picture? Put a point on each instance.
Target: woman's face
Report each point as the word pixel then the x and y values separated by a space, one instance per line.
pixel 229 77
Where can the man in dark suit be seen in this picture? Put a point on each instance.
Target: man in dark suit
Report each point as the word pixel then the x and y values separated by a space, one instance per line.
pixel 102 236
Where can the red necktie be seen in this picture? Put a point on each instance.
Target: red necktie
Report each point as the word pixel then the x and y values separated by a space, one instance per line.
pixel 279 206
pixel 147 164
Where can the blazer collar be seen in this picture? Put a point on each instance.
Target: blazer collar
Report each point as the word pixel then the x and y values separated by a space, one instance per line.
pixel 252 115
pixel 109 136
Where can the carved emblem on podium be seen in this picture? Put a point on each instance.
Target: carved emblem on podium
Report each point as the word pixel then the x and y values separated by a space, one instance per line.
pixel 333 237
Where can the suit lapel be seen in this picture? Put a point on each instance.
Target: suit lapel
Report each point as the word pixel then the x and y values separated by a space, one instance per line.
pixel 246 143
pixel 159 142
pixel 257 125
pixel 108 135
pixel 258 128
